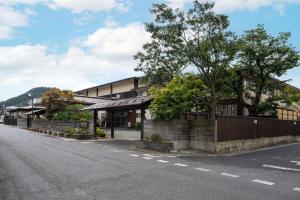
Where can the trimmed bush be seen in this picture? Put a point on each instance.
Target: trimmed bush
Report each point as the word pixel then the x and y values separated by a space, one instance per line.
pixel 100 132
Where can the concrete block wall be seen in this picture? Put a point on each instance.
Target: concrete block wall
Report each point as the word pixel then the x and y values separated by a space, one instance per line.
pixel 197 134
pixel 55 125
pixel 22 123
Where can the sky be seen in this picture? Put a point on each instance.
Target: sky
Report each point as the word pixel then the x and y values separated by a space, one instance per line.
pixel 74 44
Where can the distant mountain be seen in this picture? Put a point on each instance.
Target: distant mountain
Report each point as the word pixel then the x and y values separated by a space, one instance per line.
pixel 22 100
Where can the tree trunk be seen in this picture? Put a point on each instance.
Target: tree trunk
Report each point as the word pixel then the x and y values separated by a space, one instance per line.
pixel 213 104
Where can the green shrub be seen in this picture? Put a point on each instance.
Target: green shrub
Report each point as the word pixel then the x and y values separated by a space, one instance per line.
pixel 78 131
pixel 100 132
pixel 74 112
pixel 156 138
pixel 138 125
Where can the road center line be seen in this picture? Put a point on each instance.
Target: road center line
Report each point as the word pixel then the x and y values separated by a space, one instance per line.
pixel 180 165
pixel 134 155
pixel 147 158
pixel 163 161
pixel 282 168
pixel 296 189
pixel 203 169
pixel 263 182
pixel 230 175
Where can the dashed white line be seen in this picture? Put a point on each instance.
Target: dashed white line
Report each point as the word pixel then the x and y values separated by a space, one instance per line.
pixel 151 156
pixel 147 158
pixel 171 156
pixel 263 182
pixel 180 165
pixel 297 189
pixel 282 168
pixel 163 161
pixel 296 162
pixel 230 175
pixel 203 169
pixel 134 155
pixel 86 142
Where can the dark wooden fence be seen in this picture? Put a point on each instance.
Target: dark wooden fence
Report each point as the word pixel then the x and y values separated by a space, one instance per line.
pixel 240 128
pixel 11 122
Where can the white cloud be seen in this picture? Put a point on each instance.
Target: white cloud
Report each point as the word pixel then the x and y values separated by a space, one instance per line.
pixel 105 55
pixel 77 6
pixel 178 3
pixel 239 5
pixel 10 19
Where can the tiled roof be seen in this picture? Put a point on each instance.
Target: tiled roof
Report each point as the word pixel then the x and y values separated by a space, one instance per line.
pixel 131 102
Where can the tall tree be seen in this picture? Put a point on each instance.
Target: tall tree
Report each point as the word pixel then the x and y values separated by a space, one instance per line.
pixel 56 100
pixel 263 57
pixel 196 38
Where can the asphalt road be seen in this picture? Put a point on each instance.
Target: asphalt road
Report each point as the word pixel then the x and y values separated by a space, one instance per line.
pixel 34 166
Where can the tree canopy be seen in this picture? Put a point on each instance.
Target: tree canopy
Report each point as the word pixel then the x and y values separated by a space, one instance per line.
pixel 177 97
pixel 199 38
pixel 196 38
pixel 56 100
pixel 262 58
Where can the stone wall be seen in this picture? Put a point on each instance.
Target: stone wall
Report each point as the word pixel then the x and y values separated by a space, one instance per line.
pixel 57 125
pixel 196 134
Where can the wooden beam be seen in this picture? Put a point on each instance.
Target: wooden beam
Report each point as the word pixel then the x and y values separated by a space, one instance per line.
pixel 142 122
pixel 95 119
pixel 112 126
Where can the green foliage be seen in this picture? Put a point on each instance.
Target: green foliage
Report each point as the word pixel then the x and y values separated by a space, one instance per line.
pixel 177 97
pixel 100 132
pixel 156 138
pixel 23 99
pixel 138 125
pixel 74 112
pixel 262 57
pixel 76 131
pixel 56 100
pixel 196 38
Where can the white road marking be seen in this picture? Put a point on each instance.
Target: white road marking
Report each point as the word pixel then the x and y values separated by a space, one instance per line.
pixel 297 189
pixel 151 156
pixel 68 139
pixel 171 156
pixel 147 158
pixel 297 162
pixel 86 142
pixel 203 169
pixel 230 175
pixel 180 165
pixel 282 168
pixel 263 182
pixel 163 161
pixel 134 155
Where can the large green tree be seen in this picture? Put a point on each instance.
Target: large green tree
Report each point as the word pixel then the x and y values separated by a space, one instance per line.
pixel 262 58
pixel 197 38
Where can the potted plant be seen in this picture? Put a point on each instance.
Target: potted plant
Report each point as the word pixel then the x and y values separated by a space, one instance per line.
pixel 157 143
